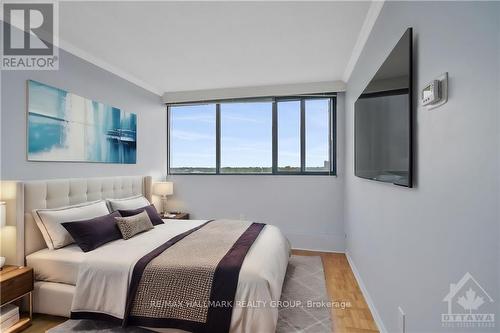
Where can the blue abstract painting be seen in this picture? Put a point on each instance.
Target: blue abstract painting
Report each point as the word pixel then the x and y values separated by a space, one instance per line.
pixel 63 126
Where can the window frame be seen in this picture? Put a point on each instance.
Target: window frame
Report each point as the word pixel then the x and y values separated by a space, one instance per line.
pixel 332 142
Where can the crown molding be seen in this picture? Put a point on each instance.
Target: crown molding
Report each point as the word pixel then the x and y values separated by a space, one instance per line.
pixel 68 47
pixel 364 33
pixel 62 44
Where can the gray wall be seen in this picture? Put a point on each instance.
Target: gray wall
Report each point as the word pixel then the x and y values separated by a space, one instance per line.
pixel 308 209
pixel 88 80
pixel 409 244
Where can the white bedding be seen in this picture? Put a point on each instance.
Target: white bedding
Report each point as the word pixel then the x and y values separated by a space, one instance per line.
pixel 104 275
pixel 59 265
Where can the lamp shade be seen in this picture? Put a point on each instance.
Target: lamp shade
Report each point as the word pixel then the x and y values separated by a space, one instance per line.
pixel 163 188
pixel 3 219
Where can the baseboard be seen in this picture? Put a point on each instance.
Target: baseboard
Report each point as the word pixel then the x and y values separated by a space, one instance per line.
pixel 312 250
pixel 312 242
pixel 368 299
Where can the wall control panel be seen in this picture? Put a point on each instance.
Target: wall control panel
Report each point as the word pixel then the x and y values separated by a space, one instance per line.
pixel 435 93
pixel 431 93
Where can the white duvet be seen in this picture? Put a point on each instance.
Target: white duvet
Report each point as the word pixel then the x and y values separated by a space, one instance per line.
pixel 104 276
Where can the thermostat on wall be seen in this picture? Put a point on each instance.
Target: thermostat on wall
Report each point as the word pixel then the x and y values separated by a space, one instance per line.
pixel 435 93
pixel 431 93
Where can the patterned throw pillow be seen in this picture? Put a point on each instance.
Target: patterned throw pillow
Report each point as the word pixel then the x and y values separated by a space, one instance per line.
pixel 151 210
pixel 133 225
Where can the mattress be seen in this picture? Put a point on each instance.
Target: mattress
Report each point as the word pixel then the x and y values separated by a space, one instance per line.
pixel 59 265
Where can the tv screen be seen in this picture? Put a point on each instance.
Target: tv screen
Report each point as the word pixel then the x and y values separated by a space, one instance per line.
pixel 383 120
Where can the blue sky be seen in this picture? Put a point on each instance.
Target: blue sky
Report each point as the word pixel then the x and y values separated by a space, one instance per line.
pixel 192 136
pixel 246 134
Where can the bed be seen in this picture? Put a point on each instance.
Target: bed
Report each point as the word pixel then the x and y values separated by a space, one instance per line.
pixel 58 273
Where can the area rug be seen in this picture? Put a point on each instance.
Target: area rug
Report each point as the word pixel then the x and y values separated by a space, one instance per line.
pixel 304 283
pixel 303 297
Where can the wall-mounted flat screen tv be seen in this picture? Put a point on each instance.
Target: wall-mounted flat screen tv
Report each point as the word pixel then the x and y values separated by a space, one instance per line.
pixel 383 120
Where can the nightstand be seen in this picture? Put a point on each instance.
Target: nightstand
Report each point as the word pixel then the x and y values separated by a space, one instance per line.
pixel 178 216
pixel 15 283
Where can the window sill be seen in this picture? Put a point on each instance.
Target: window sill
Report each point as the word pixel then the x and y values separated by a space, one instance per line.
pixel 255 174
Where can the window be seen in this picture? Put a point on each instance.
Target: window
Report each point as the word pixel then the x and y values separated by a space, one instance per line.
pixel 317 135
pixel 246 137
pixel 192 139
pixel 288 136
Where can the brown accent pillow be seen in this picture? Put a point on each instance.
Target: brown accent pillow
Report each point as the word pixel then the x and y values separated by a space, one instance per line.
pixel 133 225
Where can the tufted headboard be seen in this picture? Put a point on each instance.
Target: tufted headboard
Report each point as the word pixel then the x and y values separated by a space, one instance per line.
pixel 64 192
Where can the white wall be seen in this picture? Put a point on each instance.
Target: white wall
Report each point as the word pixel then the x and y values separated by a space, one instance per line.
pixel 410 244
pixel 85 79
pixel 309 209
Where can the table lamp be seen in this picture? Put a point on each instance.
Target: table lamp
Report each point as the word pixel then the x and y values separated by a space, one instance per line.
pixel 3 222
pixel 163 189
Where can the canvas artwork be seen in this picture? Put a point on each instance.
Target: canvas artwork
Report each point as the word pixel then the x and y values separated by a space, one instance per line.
pixel 63 126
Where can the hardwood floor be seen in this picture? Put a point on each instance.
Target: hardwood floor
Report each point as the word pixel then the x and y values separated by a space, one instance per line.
pixel 341 286
pixel 42 322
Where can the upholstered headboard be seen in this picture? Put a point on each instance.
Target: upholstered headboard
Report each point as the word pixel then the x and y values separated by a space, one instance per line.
pixel 64 192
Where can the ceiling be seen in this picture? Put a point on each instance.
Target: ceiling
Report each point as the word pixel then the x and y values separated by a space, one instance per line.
pixel 179 46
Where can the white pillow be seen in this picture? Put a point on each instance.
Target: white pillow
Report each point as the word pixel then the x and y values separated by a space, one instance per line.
pixel 49 221
pixel 134 202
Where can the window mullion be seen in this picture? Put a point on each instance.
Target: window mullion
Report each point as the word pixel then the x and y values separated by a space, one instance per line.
pixel 217 138
pixel 275 138
pixel 332 133
pixel 168 140
pixel 330 137
pixel 302 135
